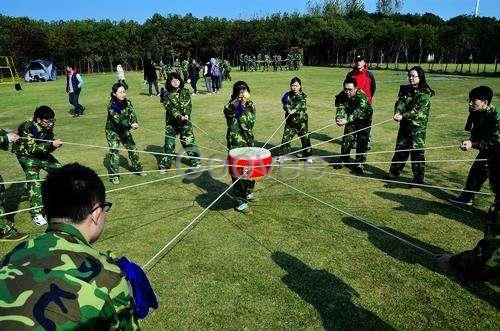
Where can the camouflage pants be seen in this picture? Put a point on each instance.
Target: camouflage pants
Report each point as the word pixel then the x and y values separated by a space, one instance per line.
pixel 3 221
pixel 361 138
pixel 188 142
pixel 409 139
pixel 478 174
pixel 242 189
pixel 114 140
pixel 292 129
pixel 32 167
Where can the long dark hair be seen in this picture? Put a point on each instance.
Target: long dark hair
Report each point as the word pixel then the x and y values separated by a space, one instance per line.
pixel 422 85
pixel 115 88
pixel 237 87
pixel 296 80
pixel 168 84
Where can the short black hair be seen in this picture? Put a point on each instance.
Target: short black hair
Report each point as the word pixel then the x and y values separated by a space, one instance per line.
pixel 114 89
pixel 171 76
pixel 296 80
pixel 71 192
pixel 484 93
pixel 44 113
pixel 350 80
pixel 239 86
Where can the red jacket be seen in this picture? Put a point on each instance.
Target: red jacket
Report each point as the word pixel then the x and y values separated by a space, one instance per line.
pixel 365 81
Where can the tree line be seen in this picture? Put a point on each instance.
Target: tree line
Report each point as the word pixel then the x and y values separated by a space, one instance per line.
pixel 328 34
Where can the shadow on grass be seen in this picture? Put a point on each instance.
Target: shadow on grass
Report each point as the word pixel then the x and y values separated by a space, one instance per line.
pixel 405 253
pixel 212 187
pixel 13 197
pixel 328 294
pixel 123 162
pixel 419 206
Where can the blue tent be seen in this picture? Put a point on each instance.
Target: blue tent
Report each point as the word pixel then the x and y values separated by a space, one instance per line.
pixel 39 70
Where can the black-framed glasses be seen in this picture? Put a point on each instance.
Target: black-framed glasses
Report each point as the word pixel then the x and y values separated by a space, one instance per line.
pixel 106 206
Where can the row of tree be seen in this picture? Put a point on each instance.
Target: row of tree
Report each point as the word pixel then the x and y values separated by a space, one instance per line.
pixel 330 33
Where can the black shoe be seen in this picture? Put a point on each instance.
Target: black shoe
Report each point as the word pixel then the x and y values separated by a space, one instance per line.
pixel 391 175
pixel 460 201
pixel 339 165
pixel 358 170
pixel 416 182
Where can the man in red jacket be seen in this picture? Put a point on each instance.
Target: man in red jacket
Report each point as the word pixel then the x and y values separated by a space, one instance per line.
pixel 364 78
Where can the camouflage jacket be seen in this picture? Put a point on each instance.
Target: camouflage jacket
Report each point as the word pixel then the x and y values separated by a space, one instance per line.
pixel 4 140
pixel 120 116
pixel 28 146
pixel 484 133
pixel 353 109
pixel 482 262
pixel 58 281
pixel 177 104
pixel 298 102
pixel 239 128
pixel 414 105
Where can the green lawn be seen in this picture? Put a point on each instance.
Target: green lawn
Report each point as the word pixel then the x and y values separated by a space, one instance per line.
pixel 293 263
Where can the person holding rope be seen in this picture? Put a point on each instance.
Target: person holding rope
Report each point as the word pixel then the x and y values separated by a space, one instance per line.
pixel 240 119
pixel 121 119
pixel 354 112
pixel 177 103
pixel 58 280
pixel 33 151
pixel 294 105
pixel 412 112
pixel 7 230
pixel 484 126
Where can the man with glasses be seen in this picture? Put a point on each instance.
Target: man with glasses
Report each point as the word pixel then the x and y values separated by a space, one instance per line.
pixel 33 150
pixel 354 112
pixel 58 280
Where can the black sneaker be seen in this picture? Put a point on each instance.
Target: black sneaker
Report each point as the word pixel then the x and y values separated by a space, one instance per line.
pixel 338 165
pixel 11 234
pixel 358 170
pixel 460 201
pixel 391 175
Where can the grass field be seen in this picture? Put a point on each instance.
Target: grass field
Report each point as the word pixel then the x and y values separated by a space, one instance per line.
pixel 292 263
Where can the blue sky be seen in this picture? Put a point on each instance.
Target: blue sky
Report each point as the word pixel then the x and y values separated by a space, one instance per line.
pixel 140 10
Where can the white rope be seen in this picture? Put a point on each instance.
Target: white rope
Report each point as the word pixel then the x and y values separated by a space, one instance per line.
pixel 408 161
pixel 168 244
pixel 183 140
pixel 126 150
pixel 269 139
pixel 364 221
pixel 342 136
pixel 390 181
pixel 208 135
pixel 322 128
pixel 120 188
pixel 372 153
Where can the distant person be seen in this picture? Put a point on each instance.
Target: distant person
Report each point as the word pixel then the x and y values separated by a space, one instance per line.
pixel 412 112
pixel 354 113
pixel 364 77
pixel 150 77
pixel 74 84
pixel 121 120
pixel 120 74
pixel 215 75
pixel 484 126
pixel 34 152
pixel 194 75
pixel 58 281
pixel 7 230
pixel 207 76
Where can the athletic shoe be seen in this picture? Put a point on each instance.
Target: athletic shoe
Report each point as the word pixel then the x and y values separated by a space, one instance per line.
pixel 115 180
pixel 282 159
pixel 243 208
pixel 11 234
pixel 140 172
pixel 358 170
pixel 309 160
pixel 250 197
pixel 39 220
pixel 338 165
pixel 460 201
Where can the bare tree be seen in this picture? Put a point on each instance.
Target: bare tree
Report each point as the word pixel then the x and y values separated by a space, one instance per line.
pixel 389 7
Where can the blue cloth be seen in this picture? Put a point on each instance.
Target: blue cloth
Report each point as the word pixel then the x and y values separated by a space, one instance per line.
pixel 284 99
pixel 239 109
pixel 144 296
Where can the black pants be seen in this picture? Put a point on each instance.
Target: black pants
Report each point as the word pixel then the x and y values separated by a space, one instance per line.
pixel 73 100
pixel 215 83
pixel 150 85
pixel 478 174
pixel 193 84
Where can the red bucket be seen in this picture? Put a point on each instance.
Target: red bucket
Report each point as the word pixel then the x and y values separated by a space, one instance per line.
pixel 252 163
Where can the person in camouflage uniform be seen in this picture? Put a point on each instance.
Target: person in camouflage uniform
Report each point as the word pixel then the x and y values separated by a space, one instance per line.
pixel 240 119
pixel 7 230
pixel 355 113
pixel 184 69
pixel 482 263
pixel 484 127
pixel 33 151
pixel 58 280
pixel 177 103
pixel 121 119
pixel 412 112
pixel 294 105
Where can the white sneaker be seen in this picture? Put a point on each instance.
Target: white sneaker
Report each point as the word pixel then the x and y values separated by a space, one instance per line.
pixel 39 220
pixel 250 197
pixel 309 160
pixel 282 159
